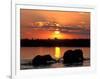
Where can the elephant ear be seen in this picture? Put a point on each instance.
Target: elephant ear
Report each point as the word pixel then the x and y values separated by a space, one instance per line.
pixel 67 53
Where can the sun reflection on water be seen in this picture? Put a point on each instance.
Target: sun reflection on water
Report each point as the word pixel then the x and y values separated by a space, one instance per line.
pixel 57 53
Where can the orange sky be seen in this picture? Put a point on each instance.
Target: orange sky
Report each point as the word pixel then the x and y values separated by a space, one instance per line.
pixel 74 25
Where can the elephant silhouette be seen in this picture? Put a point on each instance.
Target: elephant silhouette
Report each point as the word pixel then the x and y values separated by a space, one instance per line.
pixel 42 60
pixel 73 56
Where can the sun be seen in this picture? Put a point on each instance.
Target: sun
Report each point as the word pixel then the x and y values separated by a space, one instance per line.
pixel 57 32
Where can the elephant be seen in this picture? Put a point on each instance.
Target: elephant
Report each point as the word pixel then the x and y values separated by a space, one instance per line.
pixel 42 60
pixel 73 56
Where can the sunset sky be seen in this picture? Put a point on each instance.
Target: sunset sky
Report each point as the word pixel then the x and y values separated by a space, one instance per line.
pixel 44 24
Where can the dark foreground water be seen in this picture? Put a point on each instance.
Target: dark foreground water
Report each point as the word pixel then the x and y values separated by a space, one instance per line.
pixel 25 65
pixel 28 53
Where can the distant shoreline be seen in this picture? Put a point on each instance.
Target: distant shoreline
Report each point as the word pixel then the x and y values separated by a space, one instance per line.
pixel 55 42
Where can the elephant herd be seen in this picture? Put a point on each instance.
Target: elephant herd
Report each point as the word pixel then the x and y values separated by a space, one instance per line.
pixel 69 57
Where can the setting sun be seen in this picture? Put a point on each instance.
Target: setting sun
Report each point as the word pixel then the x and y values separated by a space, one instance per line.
pixel 57 32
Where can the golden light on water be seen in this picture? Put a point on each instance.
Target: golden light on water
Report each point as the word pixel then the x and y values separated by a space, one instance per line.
pixel 57 53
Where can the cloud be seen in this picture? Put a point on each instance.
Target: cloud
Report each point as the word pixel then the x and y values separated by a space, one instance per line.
pixel 67 22
pixel 75 30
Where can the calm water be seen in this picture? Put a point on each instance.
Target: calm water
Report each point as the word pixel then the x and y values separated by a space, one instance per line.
pixel 28 53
